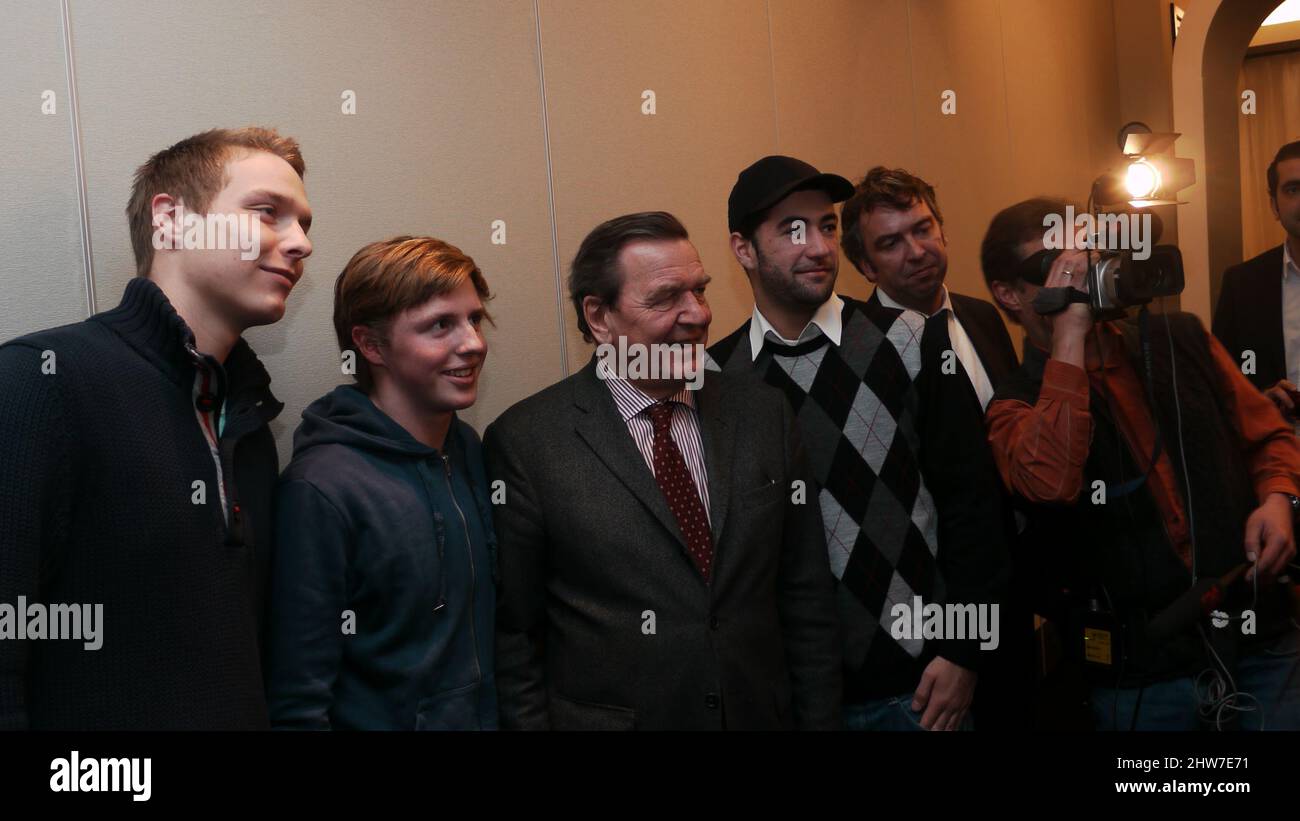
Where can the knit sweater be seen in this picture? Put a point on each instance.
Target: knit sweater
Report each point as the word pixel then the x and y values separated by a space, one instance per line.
pixel 101 504
pixel 908 490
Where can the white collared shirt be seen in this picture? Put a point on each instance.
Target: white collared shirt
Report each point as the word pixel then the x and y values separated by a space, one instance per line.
pixel 828 320
pixel 961 345
pixel 1291 313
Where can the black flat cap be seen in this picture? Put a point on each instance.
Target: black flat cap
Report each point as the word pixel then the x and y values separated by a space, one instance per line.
pixel 772 179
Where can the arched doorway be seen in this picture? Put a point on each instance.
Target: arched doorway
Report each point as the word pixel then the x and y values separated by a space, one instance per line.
pixel 1212 41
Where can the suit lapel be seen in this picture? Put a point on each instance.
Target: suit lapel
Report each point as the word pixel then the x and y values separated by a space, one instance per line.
pixel 979 336
pixel 605 432
pixel 718 433
pixel 742 355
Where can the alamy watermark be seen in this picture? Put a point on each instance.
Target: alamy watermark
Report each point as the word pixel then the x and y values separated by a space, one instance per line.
pixel 213 232
pixel 917 620
pixel 77 774
pixel 1100 232
pixel 659 360
pixel 77 622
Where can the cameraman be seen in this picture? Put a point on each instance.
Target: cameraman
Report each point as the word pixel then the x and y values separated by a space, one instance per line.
pixel 1143 504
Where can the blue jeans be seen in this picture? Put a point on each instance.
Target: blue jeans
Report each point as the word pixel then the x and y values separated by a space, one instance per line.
pixel 1272 677
pixel 894 714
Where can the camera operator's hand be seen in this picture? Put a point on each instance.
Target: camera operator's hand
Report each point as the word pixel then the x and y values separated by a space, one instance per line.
pixel 1281 397
pixel 1269 536
pixel 1071 326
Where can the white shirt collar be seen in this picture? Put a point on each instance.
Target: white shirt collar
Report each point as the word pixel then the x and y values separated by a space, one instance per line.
pixel 888 302
pixel 828 320
pixel 1289 265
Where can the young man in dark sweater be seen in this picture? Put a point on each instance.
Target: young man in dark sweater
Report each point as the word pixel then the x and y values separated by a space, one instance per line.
pixel 138 465
pixel 895 439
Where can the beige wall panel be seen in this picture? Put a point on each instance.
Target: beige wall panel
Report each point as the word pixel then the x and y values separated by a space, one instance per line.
pixel 446 138
pixel 710 68
pixel 957 46
pixel 1063 98
pixel 1062 95
pixel 42 277
pixel 843 80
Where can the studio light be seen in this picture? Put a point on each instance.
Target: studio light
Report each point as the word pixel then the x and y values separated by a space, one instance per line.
pixel 1152 174
pixel 1142 179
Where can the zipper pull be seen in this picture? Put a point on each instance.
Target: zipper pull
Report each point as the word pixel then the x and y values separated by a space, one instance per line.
pixel 235 532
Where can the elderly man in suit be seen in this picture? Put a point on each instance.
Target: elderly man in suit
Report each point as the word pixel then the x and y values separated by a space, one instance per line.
pixel 1259 303
pixel 661 557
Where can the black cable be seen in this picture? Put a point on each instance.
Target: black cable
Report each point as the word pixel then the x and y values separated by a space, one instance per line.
pixel 1104 391
pixel 1182 447
pixel 1109 399
pixel 1230 699
pixel 1148 381
pixel 1114 703
pixel 1137 708
pixel 1144 335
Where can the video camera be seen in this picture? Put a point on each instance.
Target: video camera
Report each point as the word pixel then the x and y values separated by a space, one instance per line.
pixel 1116 280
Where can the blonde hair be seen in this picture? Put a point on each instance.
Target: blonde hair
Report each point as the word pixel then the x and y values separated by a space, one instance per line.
pixel 194 170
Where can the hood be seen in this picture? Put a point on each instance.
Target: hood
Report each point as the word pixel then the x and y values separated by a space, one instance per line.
pixel 346 416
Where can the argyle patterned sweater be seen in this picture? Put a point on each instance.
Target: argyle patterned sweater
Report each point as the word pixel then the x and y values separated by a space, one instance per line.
pixel 908 490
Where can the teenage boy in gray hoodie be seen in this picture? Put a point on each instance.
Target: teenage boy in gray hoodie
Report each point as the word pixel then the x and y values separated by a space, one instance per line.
pixel 383 598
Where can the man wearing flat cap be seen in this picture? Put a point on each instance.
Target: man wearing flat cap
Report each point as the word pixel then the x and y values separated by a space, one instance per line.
pixel 895 440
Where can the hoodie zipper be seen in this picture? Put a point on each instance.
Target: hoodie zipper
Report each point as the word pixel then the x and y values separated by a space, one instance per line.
pixel 473 576
pixel 440 537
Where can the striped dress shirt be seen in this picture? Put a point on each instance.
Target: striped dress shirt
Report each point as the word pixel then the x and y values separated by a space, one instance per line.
pixel 633 405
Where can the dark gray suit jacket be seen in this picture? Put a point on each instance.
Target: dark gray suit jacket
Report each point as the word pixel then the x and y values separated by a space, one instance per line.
pixel 591 559
pixel 1249 316
pixel 988 334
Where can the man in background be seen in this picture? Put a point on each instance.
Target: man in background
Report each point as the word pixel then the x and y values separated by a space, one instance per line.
pixel 1258 315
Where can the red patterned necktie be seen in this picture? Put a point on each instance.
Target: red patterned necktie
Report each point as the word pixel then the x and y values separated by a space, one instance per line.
pixel 679 489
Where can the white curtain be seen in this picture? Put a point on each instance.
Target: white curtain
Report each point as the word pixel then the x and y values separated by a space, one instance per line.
pixel 1275 79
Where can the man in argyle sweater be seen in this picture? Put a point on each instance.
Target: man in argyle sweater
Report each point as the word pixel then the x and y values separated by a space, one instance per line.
pixel 895 437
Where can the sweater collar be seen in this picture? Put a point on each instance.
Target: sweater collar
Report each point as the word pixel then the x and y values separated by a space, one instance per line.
pixel 146 320
pixel 827 320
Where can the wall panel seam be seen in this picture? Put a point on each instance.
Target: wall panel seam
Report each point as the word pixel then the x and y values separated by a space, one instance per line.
pixel 69 64
pixel 911 78
pixel 1006 91
pixel 771 52
pixel 550 196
